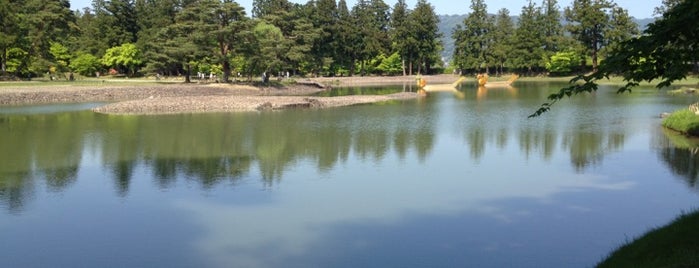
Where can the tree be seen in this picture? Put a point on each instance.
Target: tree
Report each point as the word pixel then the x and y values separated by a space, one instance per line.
pixel 667 50
pixel 552 29
pixel 597 23
pixel 563 63
pixel 426 33
pixel 530 40
pixel 473 38
pixel 60 56
pixel 303 37
pixel 348 36
pixel 266 8
pixel 666 6
pixel 8 32
pixel 404 41
pixel 206 29
pixel 503 37
pixel 109 30
pixel 41 23
pixel 267 55
pixel 621 27
pixel 229 21
pixel 325 18
pixel 127 56
pixel 390 65
pixel 374 18
pixel 85 64
pixel 153 16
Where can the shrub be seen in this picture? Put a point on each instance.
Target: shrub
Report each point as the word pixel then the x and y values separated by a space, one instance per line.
pixel 684 121
pixel 85 64
pixel 563 63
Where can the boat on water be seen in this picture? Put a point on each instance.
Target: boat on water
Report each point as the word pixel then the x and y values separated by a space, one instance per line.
pixel 483 81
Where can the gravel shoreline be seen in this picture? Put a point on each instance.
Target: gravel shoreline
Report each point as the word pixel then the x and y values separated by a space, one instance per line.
pixel 187 98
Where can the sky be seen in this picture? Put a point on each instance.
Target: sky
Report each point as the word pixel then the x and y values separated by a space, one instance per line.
pixel 637 8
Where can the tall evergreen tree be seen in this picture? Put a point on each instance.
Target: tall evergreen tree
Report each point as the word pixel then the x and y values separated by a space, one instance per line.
pixel 503 40
pixel 473 39
pixel 9 31
pixel 621 28
pixel 589 24
pixel 427 34
pixel 348 34
pixel 529 47
pixel 206 28
pixel 44 22
pixel 374 18
pixel 325 17
pixel 229 22
pixel 160 14
pixel 665 6
pixel 551 27
pixel 404 41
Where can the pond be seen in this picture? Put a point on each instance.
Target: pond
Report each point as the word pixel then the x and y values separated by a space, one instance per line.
pixel 459 179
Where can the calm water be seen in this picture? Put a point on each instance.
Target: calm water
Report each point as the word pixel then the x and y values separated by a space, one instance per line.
pixel 452 180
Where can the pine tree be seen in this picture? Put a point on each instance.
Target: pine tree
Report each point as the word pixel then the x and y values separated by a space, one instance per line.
pixel 502 39
pixel 374 18
pixel 41 23
pixel 404 41
pixel 347 35
pixel 473 39
pixel 589 23
pixel 9 32
pixel 552 28
pixel 426 34
pixel 530 40
pixel 161 14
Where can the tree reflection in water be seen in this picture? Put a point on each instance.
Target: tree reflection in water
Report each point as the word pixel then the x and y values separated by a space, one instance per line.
pixel 680 154
pixel 211 149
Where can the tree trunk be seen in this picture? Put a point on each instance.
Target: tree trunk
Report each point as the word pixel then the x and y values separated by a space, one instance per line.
pixel 352 69
pixel 189 72
pixel 594 61
pixel 403 66
pixel 226 68
pixel 3 60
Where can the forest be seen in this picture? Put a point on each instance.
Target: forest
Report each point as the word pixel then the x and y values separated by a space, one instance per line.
pixel 319 38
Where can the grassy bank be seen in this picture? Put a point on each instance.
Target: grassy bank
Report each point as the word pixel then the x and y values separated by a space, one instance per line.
pixel 684 121
pixel 674 245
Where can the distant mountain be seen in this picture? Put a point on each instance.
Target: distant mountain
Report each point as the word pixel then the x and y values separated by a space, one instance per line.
pixel 447 23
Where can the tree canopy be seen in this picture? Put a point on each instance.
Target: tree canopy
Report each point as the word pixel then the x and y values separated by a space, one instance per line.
pixel 668 50
pixel 323 37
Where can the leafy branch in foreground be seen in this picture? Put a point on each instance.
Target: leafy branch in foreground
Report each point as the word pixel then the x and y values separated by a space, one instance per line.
pixel 667 50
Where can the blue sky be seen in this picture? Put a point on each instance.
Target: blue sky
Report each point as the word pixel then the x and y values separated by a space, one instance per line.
pixel 636 8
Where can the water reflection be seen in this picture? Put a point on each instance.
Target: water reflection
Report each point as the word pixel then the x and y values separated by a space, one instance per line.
pixel 320 188
pixel 496 116
pixel 213 149
pixel 207 149
pixel 680 154
pixel 216 149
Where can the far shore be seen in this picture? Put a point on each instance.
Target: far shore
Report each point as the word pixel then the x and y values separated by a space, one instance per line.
pixel 147 96
pixel 141 96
